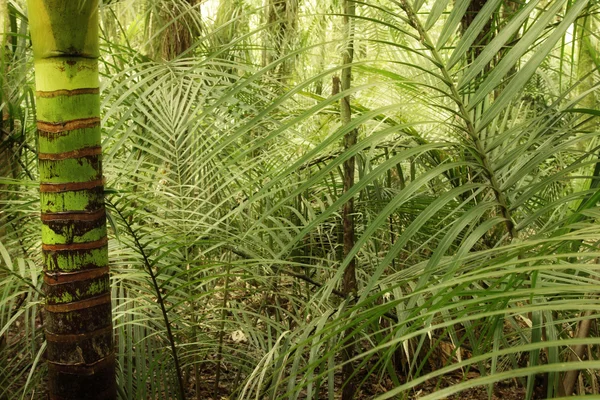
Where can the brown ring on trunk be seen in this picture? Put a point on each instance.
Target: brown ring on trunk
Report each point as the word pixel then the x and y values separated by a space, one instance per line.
pixel 76 246
pixel 85 152
pixel 58 278
pixel 66 92
pixel 84 369
pixel 58 127
pixel 71 338
pixel 75 215
pixel 70 186
pixel 78 305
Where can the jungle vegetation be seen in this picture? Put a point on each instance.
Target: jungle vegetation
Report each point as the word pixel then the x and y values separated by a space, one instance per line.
pixel 382 199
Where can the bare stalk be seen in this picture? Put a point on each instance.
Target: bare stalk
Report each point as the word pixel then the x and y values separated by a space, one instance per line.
pixel 222 330
pixel 577 351
pixel 349 285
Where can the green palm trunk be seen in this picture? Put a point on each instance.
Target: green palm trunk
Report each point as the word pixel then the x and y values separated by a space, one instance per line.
pixel 78 309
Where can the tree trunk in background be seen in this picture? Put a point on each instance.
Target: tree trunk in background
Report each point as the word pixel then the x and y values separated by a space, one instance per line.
pixel 586 63
pixel 181 27
pixel 282 21
pixel 227 23
pixel 349 279
pixel 6 154
pixel 9 159
pixel 4 132
pixel 484 37
pixel 78 326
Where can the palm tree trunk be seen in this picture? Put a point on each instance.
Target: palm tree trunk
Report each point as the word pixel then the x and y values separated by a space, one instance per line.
pixel 484 36
pixel 179 24
pixel 4 153
pixel 5 146
pixel 78 326
pixel 282 20
pixel 5 159
pixel 349 285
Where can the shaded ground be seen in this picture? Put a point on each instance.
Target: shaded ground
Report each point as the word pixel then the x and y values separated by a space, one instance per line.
pixel 230 380
pixel 508 390
pixel 501 391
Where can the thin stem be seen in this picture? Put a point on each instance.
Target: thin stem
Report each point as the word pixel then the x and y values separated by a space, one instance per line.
pixel 349 284
pixel 148 265
pixel 222 329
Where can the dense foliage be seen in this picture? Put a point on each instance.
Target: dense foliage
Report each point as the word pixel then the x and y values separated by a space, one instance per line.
pixel 476 191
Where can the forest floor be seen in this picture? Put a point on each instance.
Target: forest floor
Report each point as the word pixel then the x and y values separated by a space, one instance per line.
pixel 501 391
pixel 372 386
pixel 507 390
